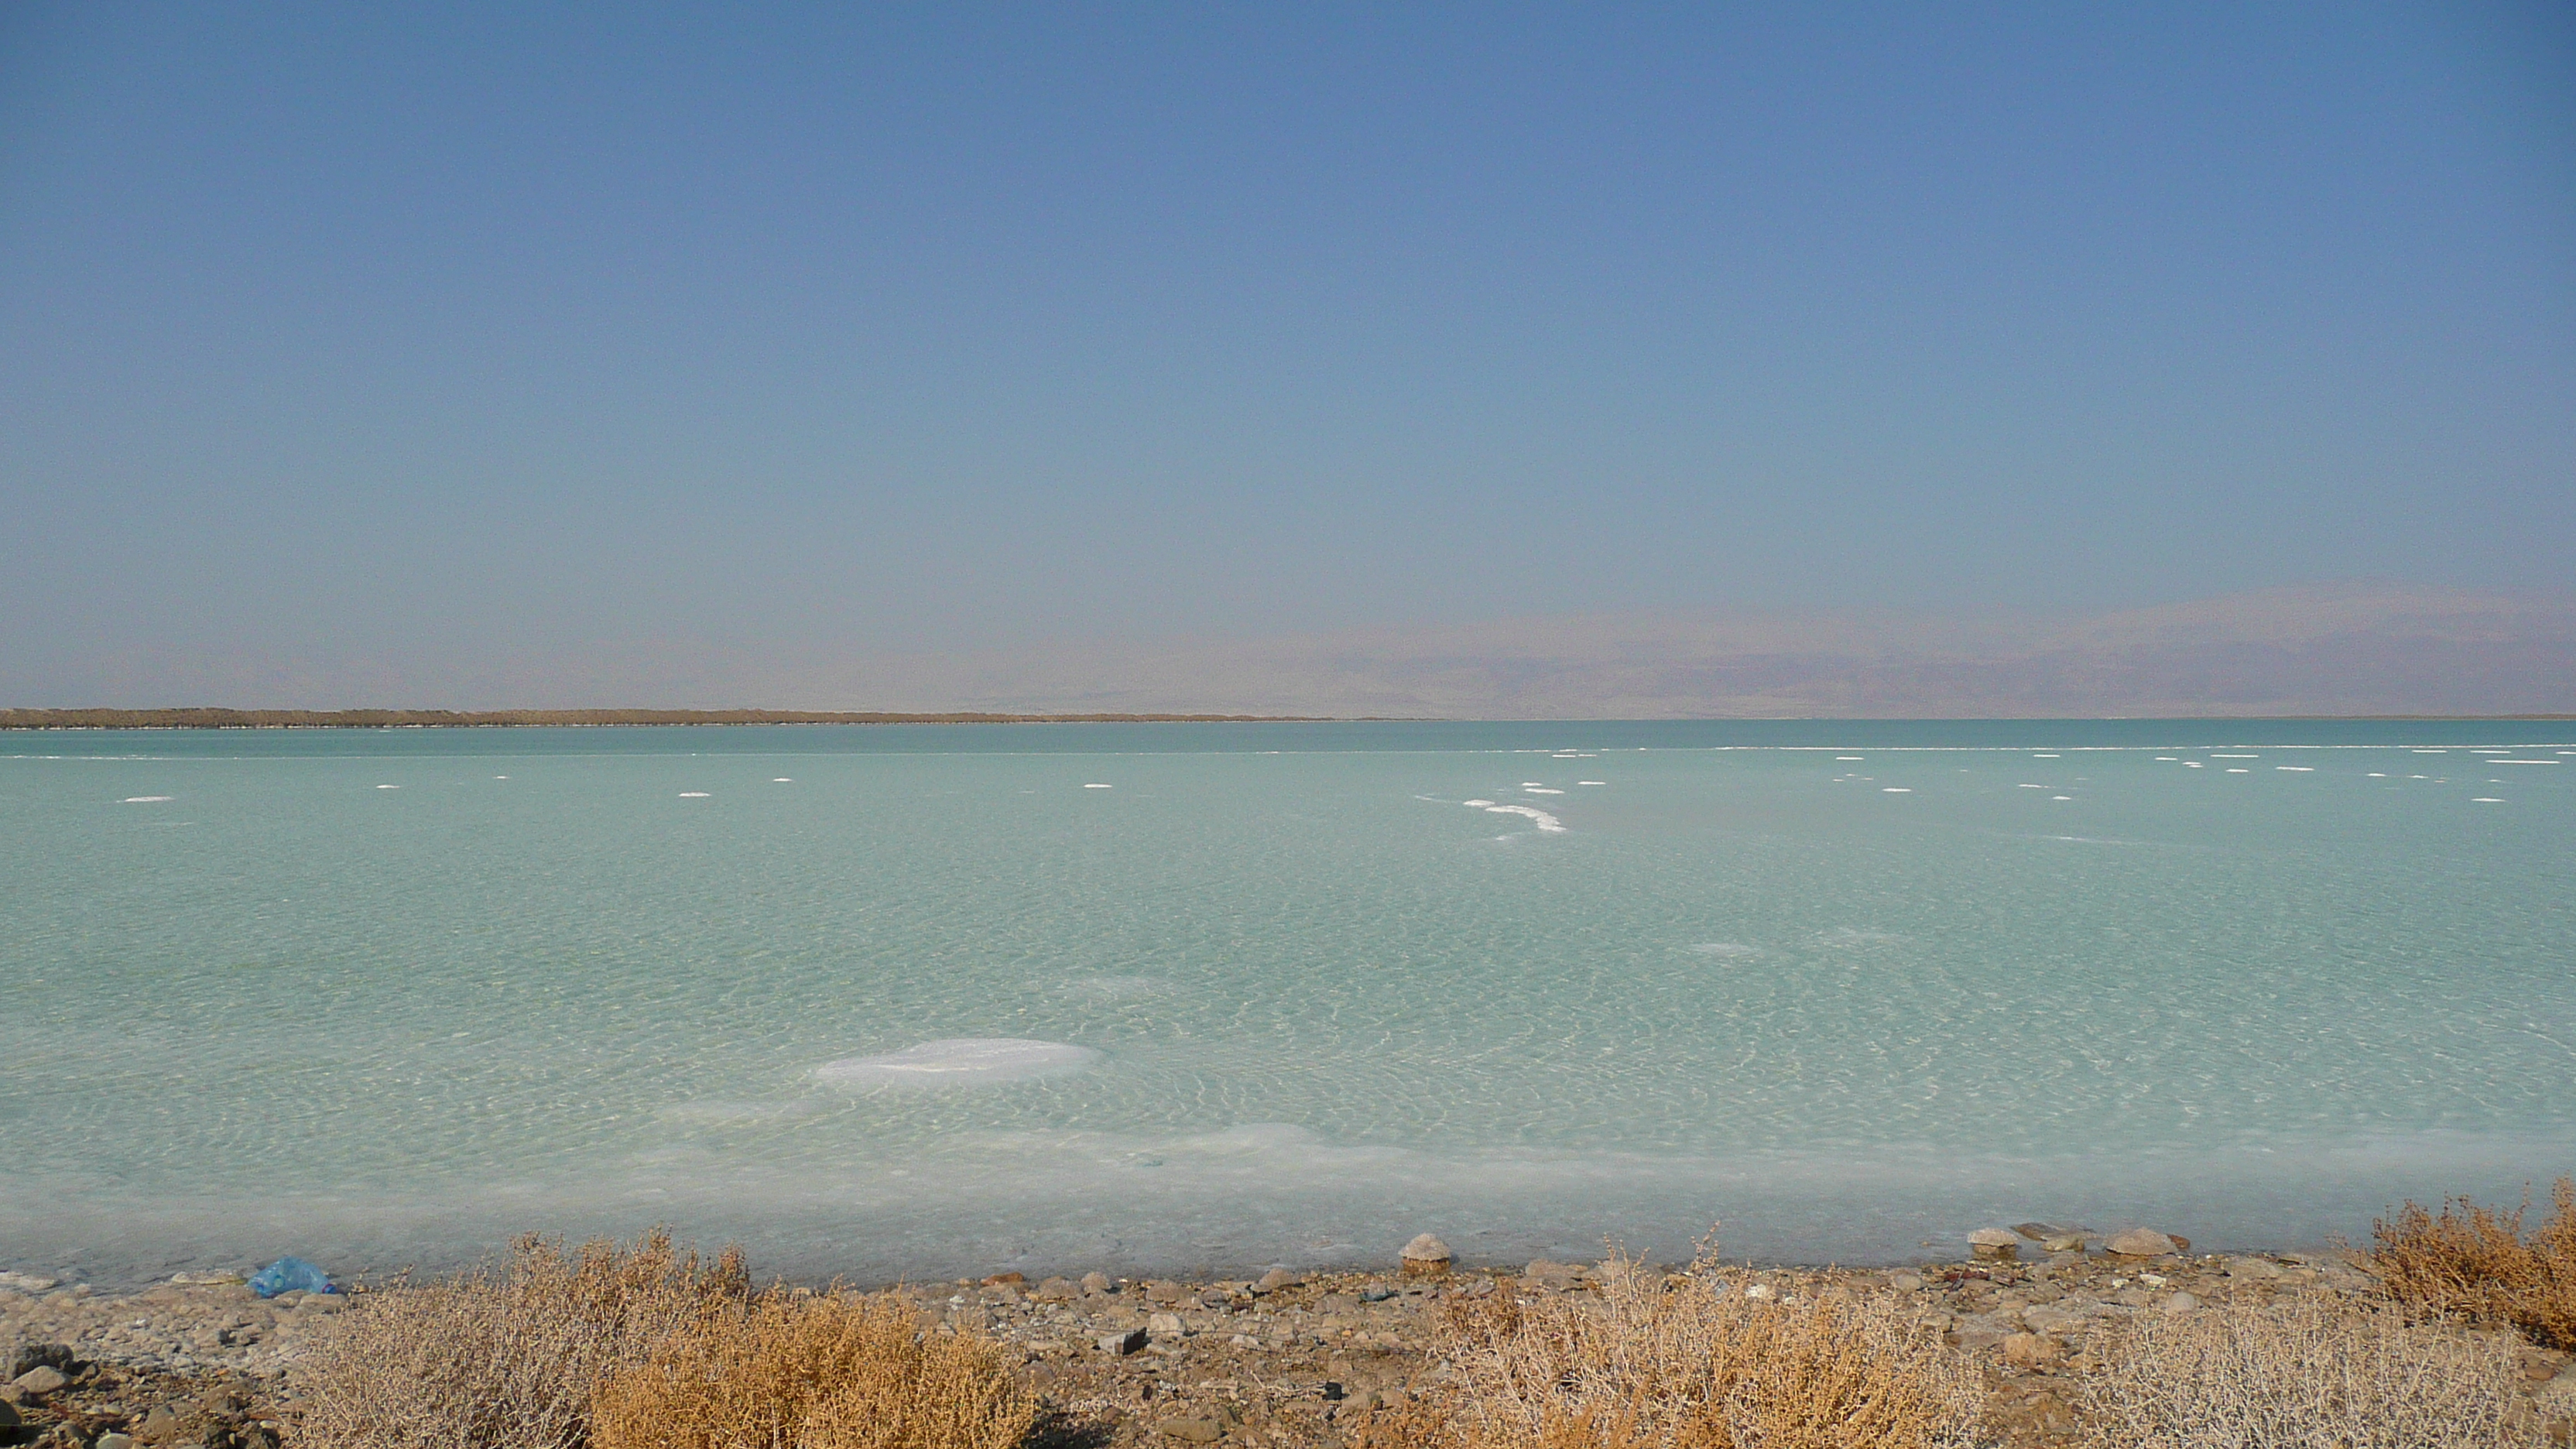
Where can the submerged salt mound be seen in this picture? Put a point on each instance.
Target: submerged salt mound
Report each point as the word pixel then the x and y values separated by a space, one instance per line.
pixel 961 1062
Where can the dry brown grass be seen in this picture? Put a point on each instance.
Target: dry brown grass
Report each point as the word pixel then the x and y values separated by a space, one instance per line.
pixel 507 1359
pixel 2305 1374
pixel 1691 1363
pixel 2475 1262
pixel 825 1372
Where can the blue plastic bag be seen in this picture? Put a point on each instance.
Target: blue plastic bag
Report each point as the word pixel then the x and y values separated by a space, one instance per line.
pixel 290 1275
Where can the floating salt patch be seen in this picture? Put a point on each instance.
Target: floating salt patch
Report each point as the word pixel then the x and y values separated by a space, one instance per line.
pixel 2235 757
pixel 2238 770
pixel 2165 759
pixel 1479 804
pixel 389 787
pixel 2484 800
pixel 1539 790
pixel 1592 782
pixel 1848 759
pixel 2429 752
pixel 2027 786
pixel 500 777
pixel 1894 790
pixel 2061 797
pixel 145 799
pixel 2522 762
pixel 2193 765
pixel 693 795
pixel 2298 769
pixel 1532 784
pixel 2044 757
pixel 2378 775
pixel 1097 787
pixel 781 780
pixel 1541 818
pixel 961 1062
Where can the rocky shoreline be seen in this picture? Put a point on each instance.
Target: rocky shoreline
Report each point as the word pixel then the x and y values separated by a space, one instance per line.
pixel 1288 1359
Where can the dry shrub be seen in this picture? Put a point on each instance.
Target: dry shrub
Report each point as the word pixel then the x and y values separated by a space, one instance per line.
pixel 2475 1262
pixel 508 1358
pixel 2305 1374
pixel 786 1372
pixel 1691 1363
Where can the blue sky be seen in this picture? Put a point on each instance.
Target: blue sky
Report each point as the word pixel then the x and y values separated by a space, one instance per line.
pixel 347 330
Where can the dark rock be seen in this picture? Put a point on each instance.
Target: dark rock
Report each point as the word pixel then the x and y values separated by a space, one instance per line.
pixel 40 1355
pixel 1121 1344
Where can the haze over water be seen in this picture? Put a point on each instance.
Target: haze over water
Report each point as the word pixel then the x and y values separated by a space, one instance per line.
pixel 389 997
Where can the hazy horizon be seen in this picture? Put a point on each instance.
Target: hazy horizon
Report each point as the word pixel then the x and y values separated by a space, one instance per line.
pixel 2342 650
pixel 1314 359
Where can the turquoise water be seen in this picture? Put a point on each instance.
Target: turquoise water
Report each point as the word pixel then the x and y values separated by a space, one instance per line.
pixel 388 997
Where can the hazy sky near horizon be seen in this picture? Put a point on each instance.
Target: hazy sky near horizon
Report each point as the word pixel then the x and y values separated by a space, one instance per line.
pixel 336 331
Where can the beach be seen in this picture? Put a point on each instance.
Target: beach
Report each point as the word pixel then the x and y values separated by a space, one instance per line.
pixel 1286 1358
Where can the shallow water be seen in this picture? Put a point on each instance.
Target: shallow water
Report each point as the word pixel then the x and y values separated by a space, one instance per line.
pixel 384 997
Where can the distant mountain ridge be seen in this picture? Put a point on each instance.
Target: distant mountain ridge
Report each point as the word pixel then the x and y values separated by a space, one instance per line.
pixel 2326 650
pixel 2336 649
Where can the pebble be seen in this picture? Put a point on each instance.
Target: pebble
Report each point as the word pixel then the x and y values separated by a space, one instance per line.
pixel 2181 1303
pixel 1995 1244
pixel 1122 1344
pixel 38 1381
pixel 2031 1350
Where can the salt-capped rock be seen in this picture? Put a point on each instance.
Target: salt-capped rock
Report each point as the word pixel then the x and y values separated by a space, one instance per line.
pixel 1995 1243
pixel 2142 1243
pixel 1426 1254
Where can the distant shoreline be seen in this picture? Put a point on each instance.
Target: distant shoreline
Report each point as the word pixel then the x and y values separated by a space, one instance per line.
pixel 213 718
pixel 272 719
